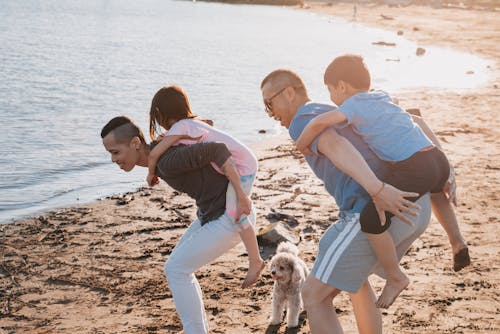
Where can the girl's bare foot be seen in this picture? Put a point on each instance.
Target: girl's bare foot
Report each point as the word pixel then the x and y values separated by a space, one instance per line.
pixel 253 274
pixel 392 289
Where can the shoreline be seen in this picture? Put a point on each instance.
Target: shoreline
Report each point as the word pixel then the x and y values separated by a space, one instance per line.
pixel 111 196
pixel 98 267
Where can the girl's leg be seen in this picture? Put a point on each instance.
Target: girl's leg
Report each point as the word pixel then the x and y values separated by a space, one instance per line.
pixel 318 302
pixel 368 317
pixel 199 246
pixel 445 214
pixel 255 262
pixel 246 227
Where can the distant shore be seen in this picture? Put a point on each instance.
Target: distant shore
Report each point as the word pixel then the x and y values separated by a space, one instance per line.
pixel 98 267
pixel 490 5
pixel 259 2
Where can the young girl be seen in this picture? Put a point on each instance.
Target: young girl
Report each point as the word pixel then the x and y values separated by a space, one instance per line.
pixel 170 110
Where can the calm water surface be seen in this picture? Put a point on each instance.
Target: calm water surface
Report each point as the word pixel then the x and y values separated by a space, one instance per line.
pixel 67 67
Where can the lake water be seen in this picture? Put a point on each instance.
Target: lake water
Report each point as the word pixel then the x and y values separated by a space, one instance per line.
pixel 67 67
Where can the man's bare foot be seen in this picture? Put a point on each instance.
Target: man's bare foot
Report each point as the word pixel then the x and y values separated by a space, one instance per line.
pixel 461 259
pixel 391 291
pixel 253 274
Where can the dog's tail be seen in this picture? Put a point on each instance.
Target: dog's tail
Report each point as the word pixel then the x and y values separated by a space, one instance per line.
pixel 287 247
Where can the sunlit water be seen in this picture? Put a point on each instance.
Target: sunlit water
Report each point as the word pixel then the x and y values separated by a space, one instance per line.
pixel 67 67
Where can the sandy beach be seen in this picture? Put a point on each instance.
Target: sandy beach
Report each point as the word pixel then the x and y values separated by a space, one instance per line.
pixel 98 268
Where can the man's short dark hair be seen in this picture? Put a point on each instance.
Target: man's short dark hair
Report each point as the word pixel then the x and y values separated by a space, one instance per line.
pixel 283 78
pixel 349 68
pixel 124 129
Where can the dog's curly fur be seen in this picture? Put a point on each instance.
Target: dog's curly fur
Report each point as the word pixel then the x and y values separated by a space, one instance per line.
pixel 289 273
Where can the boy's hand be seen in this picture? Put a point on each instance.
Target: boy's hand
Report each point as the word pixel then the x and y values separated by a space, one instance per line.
pixel 393 200
pixel 152 180
pixel 243 207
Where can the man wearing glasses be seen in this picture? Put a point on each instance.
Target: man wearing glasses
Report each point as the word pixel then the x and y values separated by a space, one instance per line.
pixel 350 172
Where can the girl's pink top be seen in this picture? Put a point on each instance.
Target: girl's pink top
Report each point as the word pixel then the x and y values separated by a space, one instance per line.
pixel 243 157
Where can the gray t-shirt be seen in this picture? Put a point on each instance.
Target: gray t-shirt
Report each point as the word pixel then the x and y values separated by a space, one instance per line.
pixel 187 168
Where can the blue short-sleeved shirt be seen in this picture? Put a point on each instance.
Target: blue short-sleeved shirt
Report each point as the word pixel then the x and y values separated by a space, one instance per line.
pixel 387 128
pixel 348 194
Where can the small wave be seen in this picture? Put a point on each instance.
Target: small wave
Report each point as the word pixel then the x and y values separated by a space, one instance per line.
pixel 15 205
pixel 49 174
pixel 53 198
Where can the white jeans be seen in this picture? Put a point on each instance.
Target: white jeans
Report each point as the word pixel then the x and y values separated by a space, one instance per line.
pixel 198 246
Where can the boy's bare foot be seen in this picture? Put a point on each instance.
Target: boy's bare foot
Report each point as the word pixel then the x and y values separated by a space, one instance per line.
pixel 253 274
pixel 461 259
pixel 392 289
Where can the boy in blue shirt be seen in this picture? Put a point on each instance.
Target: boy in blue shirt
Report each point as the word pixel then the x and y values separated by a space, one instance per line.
pixel 416 164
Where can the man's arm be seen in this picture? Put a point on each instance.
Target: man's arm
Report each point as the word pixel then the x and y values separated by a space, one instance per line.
pixel 184 158
pixel 156 153
pixel 348 159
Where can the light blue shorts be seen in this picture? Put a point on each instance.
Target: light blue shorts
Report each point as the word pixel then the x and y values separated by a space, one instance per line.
pixel 231 200
pixel 345 258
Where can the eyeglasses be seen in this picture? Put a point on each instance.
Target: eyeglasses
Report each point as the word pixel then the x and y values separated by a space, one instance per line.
pixel 268 102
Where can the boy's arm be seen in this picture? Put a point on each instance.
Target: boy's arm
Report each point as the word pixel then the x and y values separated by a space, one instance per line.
pixel 347 158
pixel 243 203
pixel 450 188
pixel 316 126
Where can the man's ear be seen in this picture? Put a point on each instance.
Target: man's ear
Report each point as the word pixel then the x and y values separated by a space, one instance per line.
pixel 135 143
pixel 290 93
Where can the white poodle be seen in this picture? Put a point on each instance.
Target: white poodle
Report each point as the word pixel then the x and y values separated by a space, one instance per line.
pixel 289 273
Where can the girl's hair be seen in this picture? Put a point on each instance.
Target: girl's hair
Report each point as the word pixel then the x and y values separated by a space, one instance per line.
pixel 170 102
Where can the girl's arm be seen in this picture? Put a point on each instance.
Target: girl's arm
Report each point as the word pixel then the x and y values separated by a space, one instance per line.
pixel 157 152
pixel 244 204
pixel 316 126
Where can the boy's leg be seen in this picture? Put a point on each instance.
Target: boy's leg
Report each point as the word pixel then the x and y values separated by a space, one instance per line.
pixel 445 214
pixel 368 317
pixel 396 280
pixel 318 302
pixel 247 232
pixel 385 250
